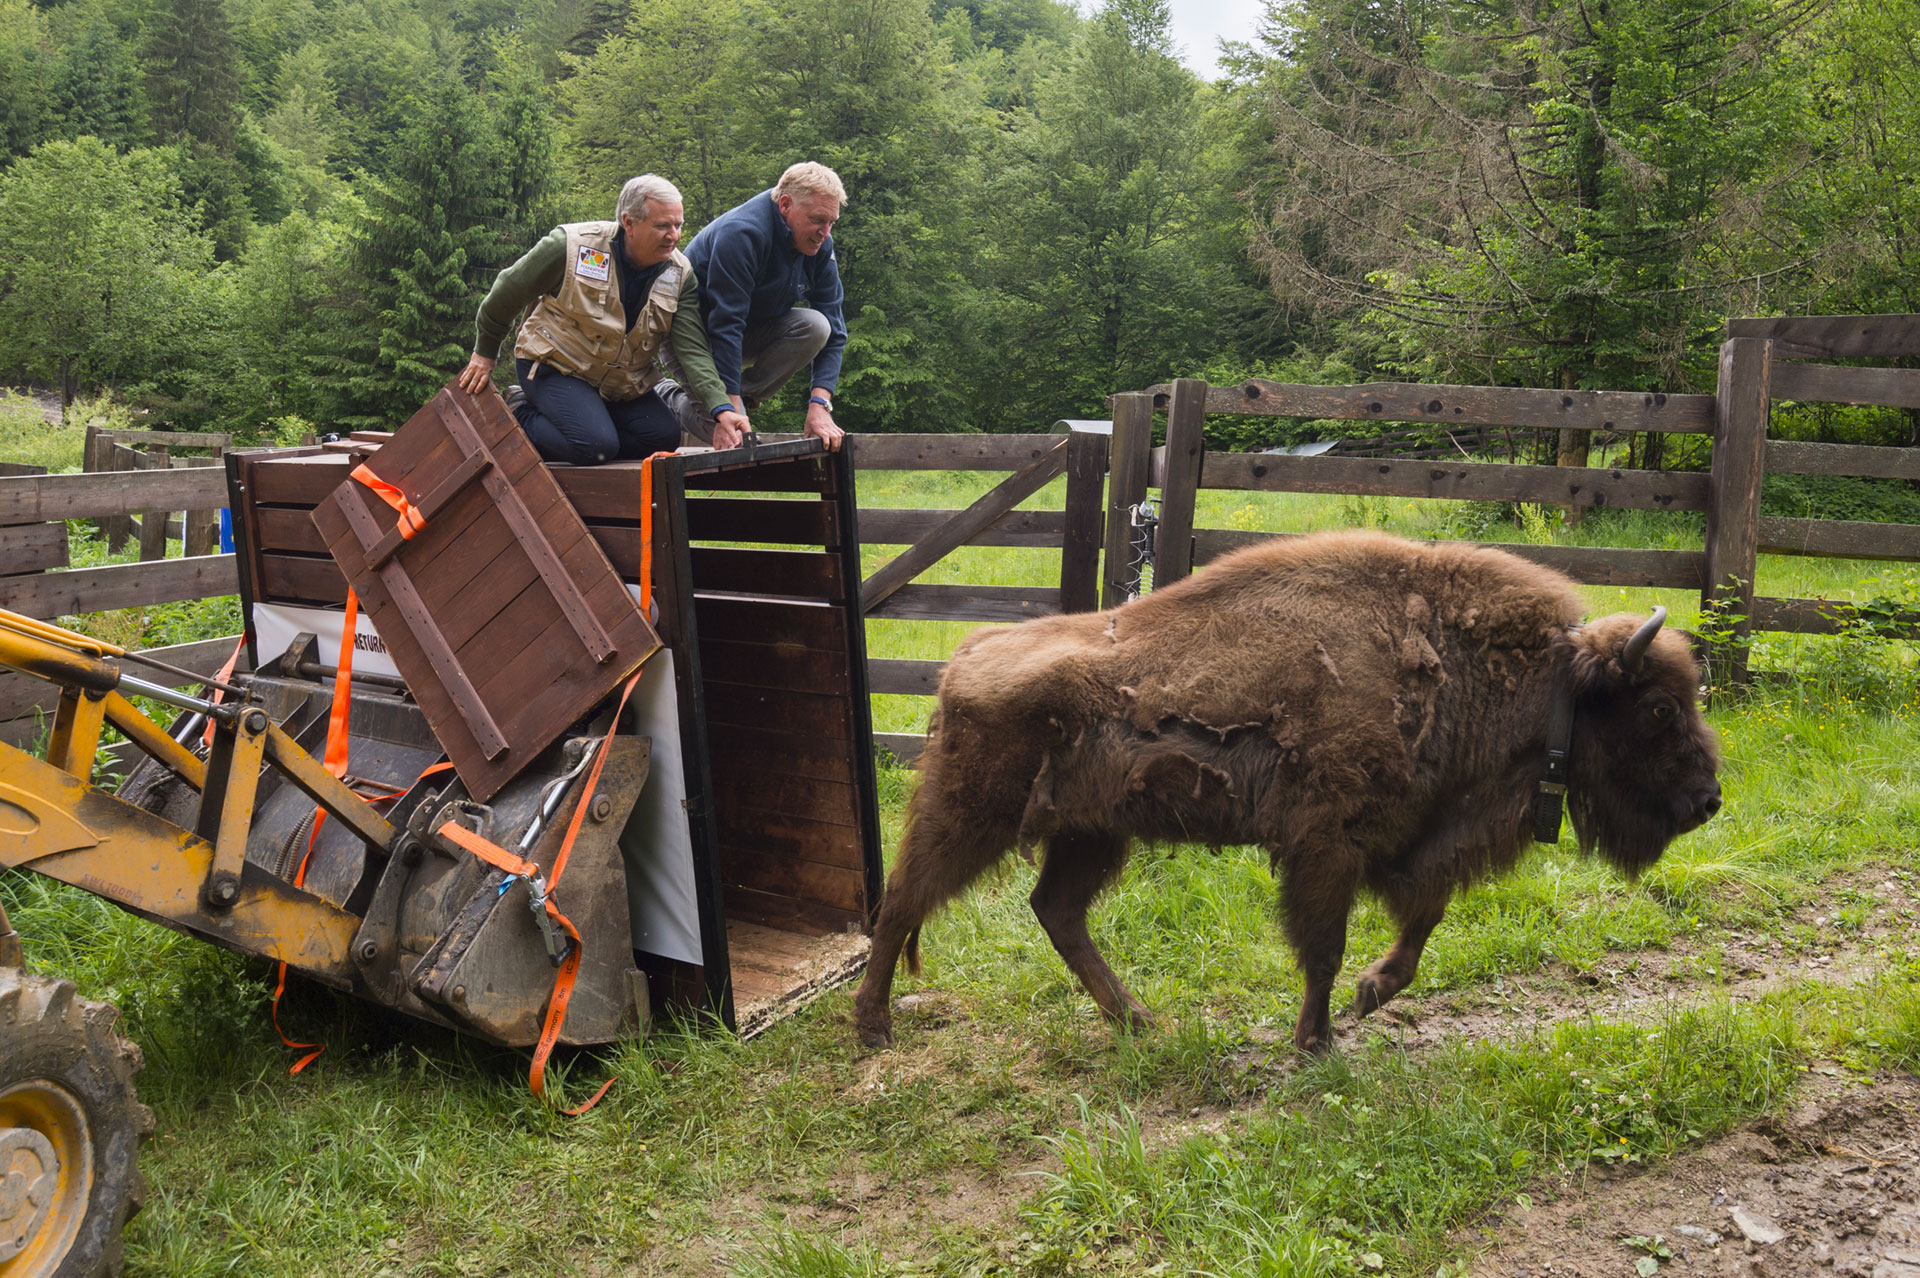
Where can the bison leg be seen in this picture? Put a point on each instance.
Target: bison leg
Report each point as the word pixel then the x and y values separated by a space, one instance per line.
pixel 939 857
pixel 1077 867
pixel 1394 971
pixel 1316 920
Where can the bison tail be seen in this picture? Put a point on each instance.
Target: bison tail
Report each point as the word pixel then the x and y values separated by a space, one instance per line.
pixel 913 951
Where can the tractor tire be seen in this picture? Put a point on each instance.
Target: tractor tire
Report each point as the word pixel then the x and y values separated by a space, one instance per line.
pixel 69 1131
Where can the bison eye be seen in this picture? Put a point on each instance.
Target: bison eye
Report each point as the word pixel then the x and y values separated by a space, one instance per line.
pixel 1662 712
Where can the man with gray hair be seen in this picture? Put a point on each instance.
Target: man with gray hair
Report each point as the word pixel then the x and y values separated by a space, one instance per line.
pixel 605 299
pixel 757 262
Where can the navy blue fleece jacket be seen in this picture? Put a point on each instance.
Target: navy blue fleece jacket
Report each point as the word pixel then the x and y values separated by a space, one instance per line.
pixel 750 272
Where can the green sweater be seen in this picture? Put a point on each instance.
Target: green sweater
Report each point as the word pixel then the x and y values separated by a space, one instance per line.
pixel 540 272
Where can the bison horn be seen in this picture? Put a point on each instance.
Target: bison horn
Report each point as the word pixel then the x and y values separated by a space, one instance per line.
pixel 1635 653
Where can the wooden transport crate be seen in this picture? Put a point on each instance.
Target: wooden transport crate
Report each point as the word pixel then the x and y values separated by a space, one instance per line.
pixel 756 577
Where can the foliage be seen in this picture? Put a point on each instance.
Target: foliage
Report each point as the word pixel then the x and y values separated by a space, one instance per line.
pixel 100 266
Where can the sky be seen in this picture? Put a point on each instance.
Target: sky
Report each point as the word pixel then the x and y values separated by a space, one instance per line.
pixel 1200 25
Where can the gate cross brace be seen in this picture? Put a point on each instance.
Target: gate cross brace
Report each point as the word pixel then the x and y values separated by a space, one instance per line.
pixel 964 525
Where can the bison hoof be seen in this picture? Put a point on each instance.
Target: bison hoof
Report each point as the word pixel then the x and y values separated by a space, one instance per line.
pixel 872 1035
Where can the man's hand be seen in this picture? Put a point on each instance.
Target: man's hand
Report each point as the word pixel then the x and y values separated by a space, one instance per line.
pixel 730 428
pixel 820 426
pixel 477 376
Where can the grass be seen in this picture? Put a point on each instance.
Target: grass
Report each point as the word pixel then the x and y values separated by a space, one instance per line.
pixel 1010 1132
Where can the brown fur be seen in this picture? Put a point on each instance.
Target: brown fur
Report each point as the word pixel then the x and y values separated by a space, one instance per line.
pixel 1372 711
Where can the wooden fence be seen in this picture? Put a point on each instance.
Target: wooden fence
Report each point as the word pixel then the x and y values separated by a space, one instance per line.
pixel 1110 468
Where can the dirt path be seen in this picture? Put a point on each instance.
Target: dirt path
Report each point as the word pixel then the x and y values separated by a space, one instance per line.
pixel 1832 1187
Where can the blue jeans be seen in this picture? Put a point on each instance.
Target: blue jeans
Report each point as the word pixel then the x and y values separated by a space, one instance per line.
pixel 568 421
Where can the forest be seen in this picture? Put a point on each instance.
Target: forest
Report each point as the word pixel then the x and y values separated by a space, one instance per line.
pixel 277 216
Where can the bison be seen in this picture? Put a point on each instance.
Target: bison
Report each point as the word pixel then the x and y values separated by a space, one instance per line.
pixel 1376 713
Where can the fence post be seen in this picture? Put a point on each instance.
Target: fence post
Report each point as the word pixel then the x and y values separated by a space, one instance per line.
pixel 199 529
pixel 1186 450
pixel 1129 460
pixel 1080 548
pixel 1741 405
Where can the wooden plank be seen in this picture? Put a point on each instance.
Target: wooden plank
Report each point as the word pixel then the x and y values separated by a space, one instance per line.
pixel 956 532
pixel 743 796
pixel 775 665
pixel 905 747
pixel 948 452
pixel 759 751
pixel 1523 407
pixel 819 715
pixel 300 579
pixel 32 548
pixel 28 499
pixel 1739 466
pixel 1128 462
pixel 774 866
pixel 904 678
pixel 153 523
pixel 1827 617
pixel 794 475
pixel 1838 539
pixel 810 573
pixel 532 538
pixel 1080 541
pixel 1594 565
pixel 787 914
pixel 1834 336
pixel 762 619
pixel 882 526
pixel 969 603
pixel 1837 384
pixel 805 523
pixel 1794 457
pixel 165 438
pixel 303 481
pixel 1457 481
pixel 404 598
pixel 59 594
pixel 1180 481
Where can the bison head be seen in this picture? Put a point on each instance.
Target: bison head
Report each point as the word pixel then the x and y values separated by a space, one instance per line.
pixel 1643 759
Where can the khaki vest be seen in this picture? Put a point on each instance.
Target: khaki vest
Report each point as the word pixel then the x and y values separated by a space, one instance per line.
pixel 582 329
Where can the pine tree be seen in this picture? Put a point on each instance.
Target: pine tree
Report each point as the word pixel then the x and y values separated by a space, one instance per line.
pixel 193 78
pixel 96 89
pixel 423 253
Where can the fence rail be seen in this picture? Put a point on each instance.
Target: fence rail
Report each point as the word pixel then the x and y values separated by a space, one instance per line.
pixel 1109 469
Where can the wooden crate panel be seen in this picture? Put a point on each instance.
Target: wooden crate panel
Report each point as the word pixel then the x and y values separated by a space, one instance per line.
pixel 775 665
pixel 792 523
pixel 742 790
pixel 789 841
pixel 809 714
pixel 500 557
pixel 765 620
pixel 293 481
pixel 812 574
pixel 749 864
pixel 287 528
pixel 799 475
pixel 783 753
pixel 770 910
pixel 299 578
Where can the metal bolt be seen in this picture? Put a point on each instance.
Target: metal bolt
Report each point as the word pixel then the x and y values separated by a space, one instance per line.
pixel 459 993
pixel 256 721
pixel 225 890
pixel 369 950
pixel 602 807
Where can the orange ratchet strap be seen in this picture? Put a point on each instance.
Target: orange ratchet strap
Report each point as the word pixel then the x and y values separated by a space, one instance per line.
pixel 411 520
pixel 501 859
pixel 335 763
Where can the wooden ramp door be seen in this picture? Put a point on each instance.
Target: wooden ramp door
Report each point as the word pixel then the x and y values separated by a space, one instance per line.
pixel 501 612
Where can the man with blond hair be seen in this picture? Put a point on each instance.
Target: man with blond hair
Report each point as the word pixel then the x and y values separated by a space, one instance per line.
pixel 609 299
pixel 756 263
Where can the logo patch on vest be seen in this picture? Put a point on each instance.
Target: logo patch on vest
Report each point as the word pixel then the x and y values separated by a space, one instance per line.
pixel 593 264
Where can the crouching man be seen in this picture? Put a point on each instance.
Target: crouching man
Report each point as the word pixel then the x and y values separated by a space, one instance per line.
pixel 608 298
pixel 756 263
